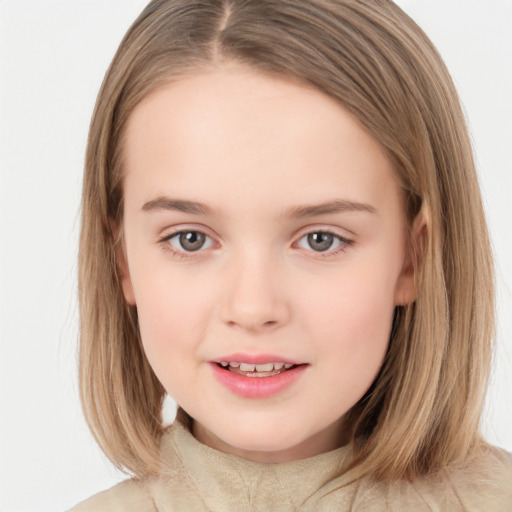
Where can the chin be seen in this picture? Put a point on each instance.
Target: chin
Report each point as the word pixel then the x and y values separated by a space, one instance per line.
pixel 262 442
pixel 279 435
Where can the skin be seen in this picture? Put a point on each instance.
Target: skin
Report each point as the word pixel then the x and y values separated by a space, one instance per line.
pixel 250 147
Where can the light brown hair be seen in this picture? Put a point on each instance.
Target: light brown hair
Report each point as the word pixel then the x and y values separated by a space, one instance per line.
pixel 423 411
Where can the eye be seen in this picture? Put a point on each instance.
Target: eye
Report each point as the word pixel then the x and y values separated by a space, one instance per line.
pixel 188 241
pixel 323 241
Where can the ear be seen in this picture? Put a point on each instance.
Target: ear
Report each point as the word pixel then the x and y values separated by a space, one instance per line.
pixel 122 264
pixel 406 287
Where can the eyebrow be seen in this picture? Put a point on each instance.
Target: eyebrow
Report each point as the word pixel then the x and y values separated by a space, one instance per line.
pixel 197 208
pixel 166 203
pixel 335 206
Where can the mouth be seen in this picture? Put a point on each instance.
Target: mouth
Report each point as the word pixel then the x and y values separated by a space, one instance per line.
pixel 256 370
pixel 257 376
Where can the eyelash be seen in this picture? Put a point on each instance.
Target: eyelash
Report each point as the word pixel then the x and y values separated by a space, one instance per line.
pixel 165 242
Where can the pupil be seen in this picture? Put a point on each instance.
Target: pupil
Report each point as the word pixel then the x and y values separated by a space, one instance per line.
pixel 320 241
pixel 191 240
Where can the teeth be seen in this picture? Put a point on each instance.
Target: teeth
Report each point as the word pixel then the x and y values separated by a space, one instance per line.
pixel 246 367
pixel 265 367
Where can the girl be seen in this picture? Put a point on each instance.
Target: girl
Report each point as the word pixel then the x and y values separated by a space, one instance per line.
pixel 282 229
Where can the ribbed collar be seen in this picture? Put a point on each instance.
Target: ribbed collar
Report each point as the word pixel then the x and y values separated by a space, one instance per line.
pixel 232 481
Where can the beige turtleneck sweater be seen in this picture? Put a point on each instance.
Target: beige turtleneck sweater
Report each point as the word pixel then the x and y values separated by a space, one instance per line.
pixel 199 478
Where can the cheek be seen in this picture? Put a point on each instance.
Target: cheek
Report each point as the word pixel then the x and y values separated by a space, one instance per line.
pixel 351 325
pixel 351 315
pixel 172 311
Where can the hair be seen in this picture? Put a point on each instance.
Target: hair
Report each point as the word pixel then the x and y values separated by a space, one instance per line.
pixel 423 411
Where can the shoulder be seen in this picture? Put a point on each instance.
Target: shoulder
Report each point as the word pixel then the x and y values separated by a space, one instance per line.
pixel 133 495
pixel 484 484
pixel 127 496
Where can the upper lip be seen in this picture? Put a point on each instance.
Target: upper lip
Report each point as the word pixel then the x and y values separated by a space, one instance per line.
pixel 255 359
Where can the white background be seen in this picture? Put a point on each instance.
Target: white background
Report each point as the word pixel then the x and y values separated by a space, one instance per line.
pixel 53 55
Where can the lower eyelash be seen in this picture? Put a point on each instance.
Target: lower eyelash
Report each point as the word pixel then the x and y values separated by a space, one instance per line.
pixel 176 254
pixel 339 250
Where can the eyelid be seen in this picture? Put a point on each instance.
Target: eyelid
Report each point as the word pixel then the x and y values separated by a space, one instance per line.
pixel 171 231
pixel 342 233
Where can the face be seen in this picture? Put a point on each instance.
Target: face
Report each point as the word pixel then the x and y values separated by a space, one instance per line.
pixel 265 252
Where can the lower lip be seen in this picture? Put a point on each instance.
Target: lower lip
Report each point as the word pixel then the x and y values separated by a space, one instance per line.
pixel 257 387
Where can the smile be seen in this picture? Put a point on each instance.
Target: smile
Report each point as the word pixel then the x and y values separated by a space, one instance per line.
pixel 257 380
pixel 256 370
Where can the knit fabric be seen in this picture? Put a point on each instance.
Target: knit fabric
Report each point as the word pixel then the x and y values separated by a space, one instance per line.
pixel 199 478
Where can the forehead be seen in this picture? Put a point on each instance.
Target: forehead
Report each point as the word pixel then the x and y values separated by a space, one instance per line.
pixel 259 139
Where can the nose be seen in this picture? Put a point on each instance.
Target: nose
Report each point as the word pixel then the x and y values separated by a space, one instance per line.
pixel 255 295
